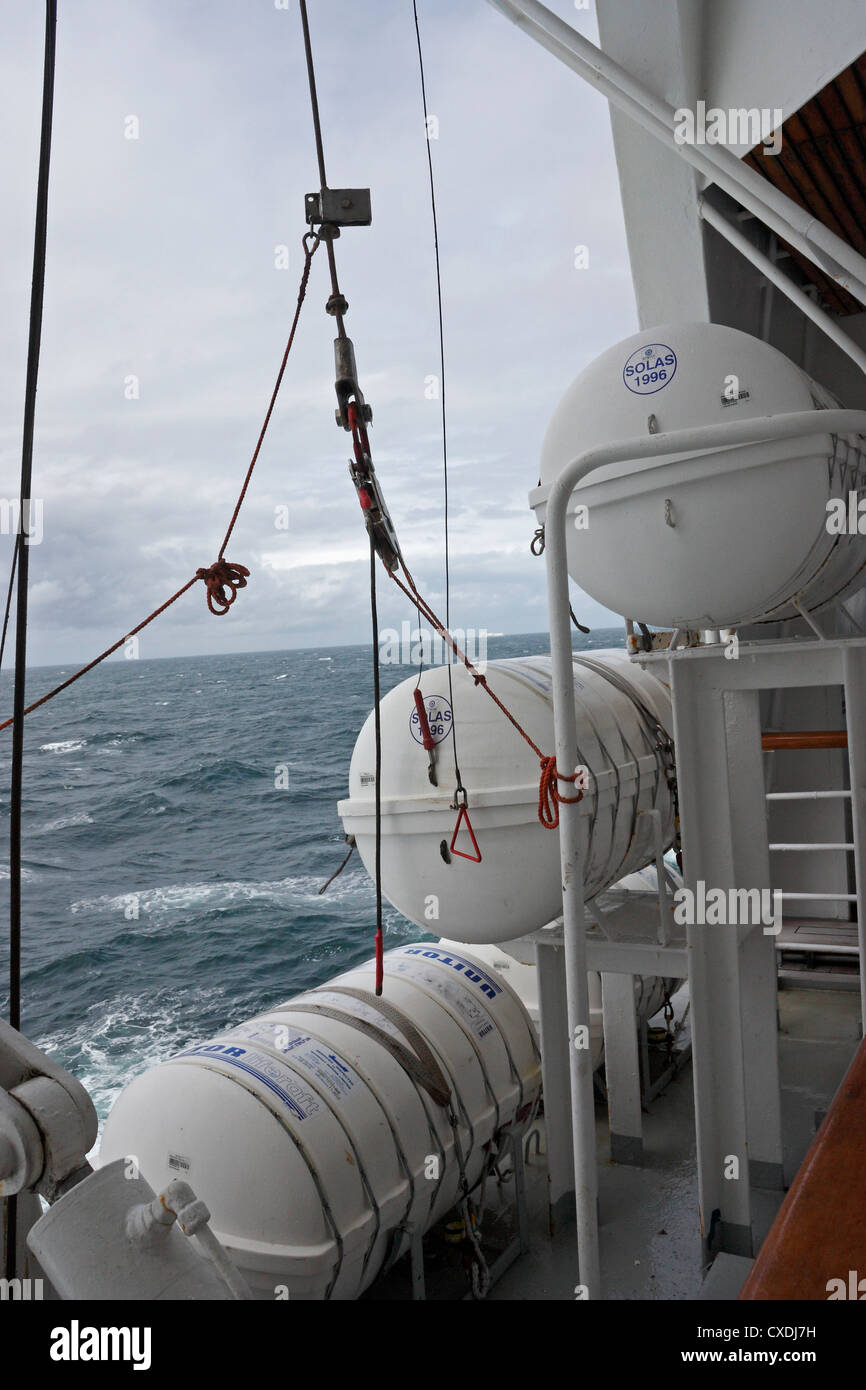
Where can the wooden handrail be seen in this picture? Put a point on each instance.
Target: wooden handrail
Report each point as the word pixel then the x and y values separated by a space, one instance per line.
pixel 814 738
pixel 816 1247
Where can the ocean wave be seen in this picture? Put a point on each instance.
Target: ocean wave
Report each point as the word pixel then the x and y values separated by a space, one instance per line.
pixel 176 898
pixel 193 902
pixel 64 822
pixel 217 772
pixel 124 738
pixel 116 1040
pixel 67 745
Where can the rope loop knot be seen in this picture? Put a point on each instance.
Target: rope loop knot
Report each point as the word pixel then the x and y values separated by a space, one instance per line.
pixel 222 581
pixel 549 795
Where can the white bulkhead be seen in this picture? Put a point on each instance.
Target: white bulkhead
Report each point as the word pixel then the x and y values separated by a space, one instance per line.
pixel 718 538
pixel 310 1142
pixel 516 887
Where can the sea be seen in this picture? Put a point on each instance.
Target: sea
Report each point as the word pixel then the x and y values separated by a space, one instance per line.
pixel 171 881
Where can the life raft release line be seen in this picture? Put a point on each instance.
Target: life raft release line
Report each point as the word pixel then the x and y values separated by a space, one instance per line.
pixel 330 209
pixel 442 391
pixel 463 815
pixel 377 695
pixel 549 795
pixel 426 737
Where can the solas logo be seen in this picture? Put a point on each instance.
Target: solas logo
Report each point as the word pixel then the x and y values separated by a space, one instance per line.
pixel 853 1288
pixel 649 369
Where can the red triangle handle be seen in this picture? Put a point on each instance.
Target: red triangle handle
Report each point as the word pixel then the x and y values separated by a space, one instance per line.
pixel 462 815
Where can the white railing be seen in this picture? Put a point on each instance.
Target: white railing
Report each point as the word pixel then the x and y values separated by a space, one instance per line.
pixel 771 272
pixel 718 164
pixel 730 434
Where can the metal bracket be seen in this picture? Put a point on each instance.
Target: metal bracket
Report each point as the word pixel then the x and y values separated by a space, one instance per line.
pixel 346 384
pixel 47 1120
pixel 377 517
pixel 339 207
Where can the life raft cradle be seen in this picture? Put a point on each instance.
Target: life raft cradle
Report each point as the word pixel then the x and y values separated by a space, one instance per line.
pixel 424 1069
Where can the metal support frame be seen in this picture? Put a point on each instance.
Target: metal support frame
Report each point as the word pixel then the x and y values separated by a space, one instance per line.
pixel 517 1246
pixel 854 681
pixel 793 223
pixel 835 661
pixel 626 1053
pixel 416 1265
pixel 707 789
pixel 616 952
pixel 622 1067
pixel 775 276
pixel 553 1014
pixel 649 1088
pixel 750 864
pixel 733 977
pixel 572 825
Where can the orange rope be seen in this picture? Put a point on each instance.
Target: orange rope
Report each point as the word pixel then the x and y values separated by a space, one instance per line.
pixel 309 252
pixel 89 667
pixel 549 795
pixel 222 579
pixel 217 579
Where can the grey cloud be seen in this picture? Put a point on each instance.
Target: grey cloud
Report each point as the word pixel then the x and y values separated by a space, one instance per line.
pixel 161 265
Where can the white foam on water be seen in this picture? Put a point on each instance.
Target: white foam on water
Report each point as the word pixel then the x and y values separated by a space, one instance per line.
pixel 176 898
pixel 116 1041
pixel 68 745
pixel 77 818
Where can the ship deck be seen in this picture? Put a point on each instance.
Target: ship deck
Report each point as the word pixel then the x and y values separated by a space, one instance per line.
pixel 649 1239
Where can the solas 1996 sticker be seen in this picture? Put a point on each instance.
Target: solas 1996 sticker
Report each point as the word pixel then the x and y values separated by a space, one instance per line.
pixel 438 711
pixel 650 369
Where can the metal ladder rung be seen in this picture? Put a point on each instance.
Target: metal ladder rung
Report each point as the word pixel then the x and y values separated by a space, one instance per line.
pixel 819 897
pixel 805 796
pixel 805 845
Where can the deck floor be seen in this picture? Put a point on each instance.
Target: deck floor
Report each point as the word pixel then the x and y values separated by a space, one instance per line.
pixel 649 1240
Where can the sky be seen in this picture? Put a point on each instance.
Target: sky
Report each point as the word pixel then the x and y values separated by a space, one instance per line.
pixel 162 267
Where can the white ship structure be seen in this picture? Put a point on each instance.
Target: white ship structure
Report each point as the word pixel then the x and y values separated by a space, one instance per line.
pixel 631 1065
